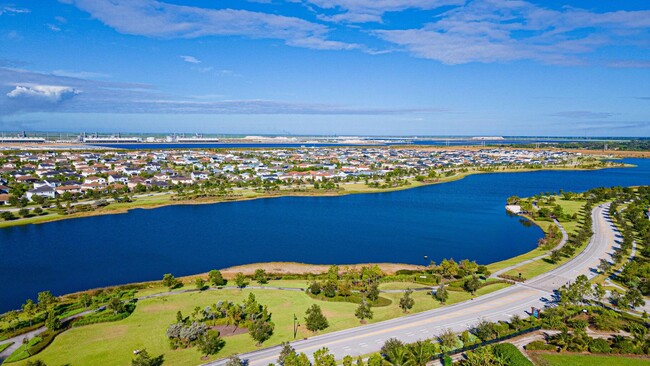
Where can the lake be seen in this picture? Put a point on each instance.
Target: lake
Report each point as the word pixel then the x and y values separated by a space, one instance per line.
pixel 461 219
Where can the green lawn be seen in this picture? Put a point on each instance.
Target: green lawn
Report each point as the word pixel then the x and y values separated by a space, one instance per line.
pixel 589 360
pixel 21 353
pixel 400 285
pixel 536 268
pixel 5 346
pixel 113 343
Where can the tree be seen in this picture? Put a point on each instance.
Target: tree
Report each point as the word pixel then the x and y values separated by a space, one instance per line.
pixel 170 281
pixel 116 305
pixel 315 320
pixel 12 318
pixel 29 309
pixel 315 288
pixel 470 267
pixel 85 300
pixel 6 215
pixel 448 339
pixel 441 294
pixel 234 360
pixel 216 278
pixel 261 330
pixel 604 265
pixel 472 284
pixel 364 311
pixel 240 280
pixel 323 357
pixel 420 352
pixel 633 297
pixel 373 292
pixel 210 343
pixel 52 322
pixel 199 283
pixel 24 212
pixel 330 287
pixel 599 292
pixel 448 268
pixel 287 351
pixel 580 288
pixel 144 359
pixel 406 302
pixel 484 330
pixel 260 276
pixel 46 300
pixel 555 256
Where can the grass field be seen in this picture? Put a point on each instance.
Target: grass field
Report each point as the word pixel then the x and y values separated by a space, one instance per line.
pixel 113 343
pixel 5 346
pixel 588 360
pixel 399 285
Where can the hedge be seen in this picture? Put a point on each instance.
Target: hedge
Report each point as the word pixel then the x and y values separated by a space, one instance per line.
pixel 540 346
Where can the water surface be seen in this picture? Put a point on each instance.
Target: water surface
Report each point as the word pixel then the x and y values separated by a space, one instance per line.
pixel 461 219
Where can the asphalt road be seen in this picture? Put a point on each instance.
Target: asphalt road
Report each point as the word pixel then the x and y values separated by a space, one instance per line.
pixel 499 305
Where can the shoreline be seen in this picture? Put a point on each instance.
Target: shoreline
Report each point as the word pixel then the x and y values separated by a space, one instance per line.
pixel 310 193
pixel 250 267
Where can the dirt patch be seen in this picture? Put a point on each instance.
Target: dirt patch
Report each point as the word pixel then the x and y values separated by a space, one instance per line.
pixel 302 268
pixel 229 330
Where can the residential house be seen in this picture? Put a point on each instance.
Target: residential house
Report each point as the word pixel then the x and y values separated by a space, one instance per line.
pixel 44 191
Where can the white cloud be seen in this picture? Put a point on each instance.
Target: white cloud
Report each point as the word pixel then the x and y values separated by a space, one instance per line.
pixel 10 10
pixel 584 114
pixel 27 92
pixel 53 28
pixel 80 74
pixel 48 93
pixel 191 59
pixel 509 30
pixel 158 19
pixel 365 11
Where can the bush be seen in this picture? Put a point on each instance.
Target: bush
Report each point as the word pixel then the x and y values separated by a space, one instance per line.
pixel 446 360
pixel 540 346
pixel 599 345
pixel 510 354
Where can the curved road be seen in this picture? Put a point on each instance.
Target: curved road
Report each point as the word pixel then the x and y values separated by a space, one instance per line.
pixel 499 305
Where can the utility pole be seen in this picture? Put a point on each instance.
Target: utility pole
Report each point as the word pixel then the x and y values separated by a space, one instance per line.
pixel 296 324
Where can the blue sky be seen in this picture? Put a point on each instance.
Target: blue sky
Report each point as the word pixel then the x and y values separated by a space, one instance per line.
pixel 370 67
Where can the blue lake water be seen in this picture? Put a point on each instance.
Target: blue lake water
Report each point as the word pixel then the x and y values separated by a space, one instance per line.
pixel 462 219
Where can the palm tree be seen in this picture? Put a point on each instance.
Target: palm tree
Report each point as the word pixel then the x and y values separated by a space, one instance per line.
pixel 420 352
pixel 399 356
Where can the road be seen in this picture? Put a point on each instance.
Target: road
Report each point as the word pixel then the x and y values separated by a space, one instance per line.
pixel 499 305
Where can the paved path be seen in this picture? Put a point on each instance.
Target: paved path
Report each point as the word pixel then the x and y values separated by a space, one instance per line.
pixel 499 305
pixel 565 237
pixel 18 340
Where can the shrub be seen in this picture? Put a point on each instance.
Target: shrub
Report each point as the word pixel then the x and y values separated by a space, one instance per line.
pixel 599 345
pixel 446 360
pixel 510 354
pixel 540 346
